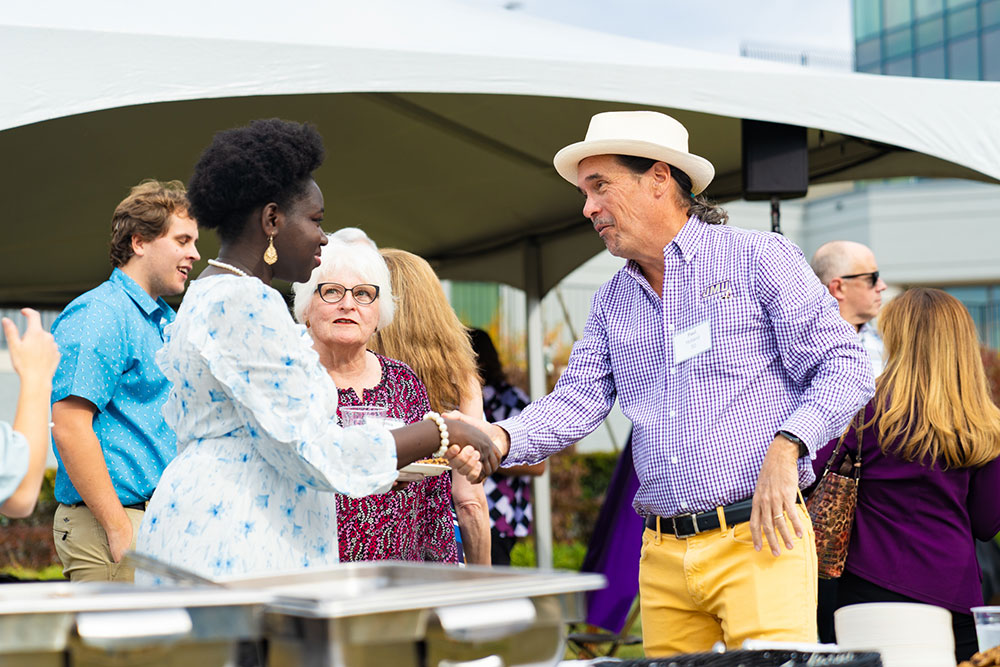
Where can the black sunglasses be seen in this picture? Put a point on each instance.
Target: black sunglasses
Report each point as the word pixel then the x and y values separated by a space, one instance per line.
pixel 871 275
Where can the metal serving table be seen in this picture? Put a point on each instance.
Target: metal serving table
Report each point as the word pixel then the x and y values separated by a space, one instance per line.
pixel 419 615
pixel 91 625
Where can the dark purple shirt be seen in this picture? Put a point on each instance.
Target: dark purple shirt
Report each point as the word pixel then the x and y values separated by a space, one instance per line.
pixel 914 525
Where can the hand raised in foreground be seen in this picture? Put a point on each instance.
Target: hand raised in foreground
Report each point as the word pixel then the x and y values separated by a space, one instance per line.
pixel 471 454
pixel 34 355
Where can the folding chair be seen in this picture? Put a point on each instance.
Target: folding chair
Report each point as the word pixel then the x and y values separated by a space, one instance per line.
pixel 593 642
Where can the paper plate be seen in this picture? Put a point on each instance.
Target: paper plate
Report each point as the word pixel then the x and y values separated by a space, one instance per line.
pixel 425 469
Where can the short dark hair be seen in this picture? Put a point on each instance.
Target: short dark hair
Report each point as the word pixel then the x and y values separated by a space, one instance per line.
pixel 266 161
pixel 699 205
pixel 145 213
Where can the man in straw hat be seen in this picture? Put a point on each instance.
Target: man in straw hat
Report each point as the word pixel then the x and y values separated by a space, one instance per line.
pixel 734 365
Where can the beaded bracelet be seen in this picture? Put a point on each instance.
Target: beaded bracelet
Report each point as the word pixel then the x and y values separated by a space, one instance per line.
pixel 443 428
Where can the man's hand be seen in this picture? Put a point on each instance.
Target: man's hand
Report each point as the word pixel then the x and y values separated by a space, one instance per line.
pixel 119 536
pixel 477 458
pixel 774 497
pixel 500 438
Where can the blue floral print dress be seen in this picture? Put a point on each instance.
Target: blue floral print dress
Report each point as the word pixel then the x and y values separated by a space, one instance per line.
pixel 259 451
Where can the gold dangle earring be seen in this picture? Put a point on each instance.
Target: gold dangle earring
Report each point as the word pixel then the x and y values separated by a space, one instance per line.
pixel 270 255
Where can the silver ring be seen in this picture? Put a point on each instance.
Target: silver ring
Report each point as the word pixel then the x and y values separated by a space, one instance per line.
pixel 778 516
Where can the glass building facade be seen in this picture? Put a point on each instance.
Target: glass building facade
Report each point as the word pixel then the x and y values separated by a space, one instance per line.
pixel 943 39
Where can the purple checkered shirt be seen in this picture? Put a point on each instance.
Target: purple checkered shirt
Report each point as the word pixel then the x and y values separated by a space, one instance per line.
pixel 781 358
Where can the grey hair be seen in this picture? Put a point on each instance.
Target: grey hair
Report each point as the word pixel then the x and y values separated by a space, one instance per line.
pixel 360 256
pixel 353 235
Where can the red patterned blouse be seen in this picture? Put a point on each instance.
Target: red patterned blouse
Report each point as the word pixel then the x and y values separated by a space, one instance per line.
pixel 414 523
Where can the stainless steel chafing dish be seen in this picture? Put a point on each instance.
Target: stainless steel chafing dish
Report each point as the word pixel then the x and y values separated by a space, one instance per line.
pixel 63 624
pixel 419 615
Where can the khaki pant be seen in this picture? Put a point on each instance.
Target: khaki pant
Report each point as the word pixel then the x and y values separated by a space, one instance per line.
pixel 714 587
pixel 82 545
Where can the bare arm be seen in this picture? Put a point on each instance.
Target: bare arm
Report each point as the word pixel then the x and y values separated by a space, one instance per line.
pixel 532 470
pixel 81 454
pixel 471 510
pixel 34 357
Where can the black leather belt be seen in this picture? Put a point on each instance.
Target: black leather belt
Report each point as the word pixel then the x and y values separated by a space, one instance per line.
pixel 138 506
pixel 687 525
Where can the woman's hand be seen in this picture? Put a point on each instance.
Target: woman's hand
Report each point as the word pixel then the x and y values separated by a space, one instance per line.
pixel 499 436
pixel 471 454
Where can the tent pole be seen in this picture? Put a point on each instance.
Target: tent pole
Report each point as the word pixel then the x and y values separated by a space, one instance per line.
pixel 541 496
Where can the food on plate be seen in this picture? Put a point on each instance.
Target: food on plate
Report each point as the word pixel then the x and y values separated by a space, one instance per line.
pixel 983 658
pixel 440 461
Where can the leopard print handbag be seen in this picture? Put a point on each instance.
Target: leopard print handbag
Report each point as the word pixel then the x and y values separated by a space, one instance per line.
pixel 831 507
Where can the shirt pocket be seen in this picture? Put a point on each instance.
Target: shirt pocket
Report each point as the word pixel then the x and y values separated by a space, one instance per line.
pixel 737 325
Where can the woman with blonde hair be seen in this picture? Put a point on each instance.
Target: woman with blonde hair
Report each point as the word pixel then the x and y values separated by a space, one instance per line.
pixel 428 336
pixel 930 473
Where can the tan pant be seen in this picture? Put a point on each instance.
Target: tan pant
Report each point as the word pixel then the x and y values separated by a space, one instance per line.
pixel 82 545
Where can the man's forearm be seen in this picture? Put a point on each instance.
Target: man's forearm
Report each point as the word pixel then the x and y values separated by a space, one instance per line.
pixel 83 459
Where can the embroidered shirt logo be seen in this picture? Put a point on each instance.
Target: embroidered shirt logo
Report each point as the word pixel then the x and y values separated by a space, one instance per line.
pixel 721 290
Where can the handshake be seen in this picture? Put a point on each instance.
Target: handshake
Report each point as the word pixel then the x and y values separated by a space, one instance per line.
pixel 472 447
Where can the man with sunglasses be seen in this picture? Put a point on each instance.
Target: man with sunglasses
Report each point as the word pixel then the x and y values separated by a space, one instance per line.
pixel 850 273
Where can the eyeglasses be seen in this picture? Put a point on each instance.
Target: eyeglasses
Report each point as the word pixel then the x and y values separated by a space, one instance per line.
pixel 871 275
pixel 334 292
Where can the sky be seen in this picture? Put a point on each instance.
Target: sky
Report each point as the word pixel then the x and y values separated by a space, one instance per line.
pixel 712 25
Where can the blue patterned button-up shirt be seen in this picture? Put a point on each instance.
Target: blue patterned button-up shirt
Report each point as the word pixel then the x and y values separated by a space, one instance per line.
pixel 781 357
pixel 108 338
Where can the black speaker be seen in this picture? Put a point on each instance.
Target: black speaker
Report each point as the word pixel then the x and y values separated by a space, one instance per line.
pixel 775 160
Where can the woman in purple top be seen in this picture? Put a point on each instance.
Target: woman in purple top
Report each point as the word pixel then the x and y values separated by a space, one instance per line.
pixel 930 476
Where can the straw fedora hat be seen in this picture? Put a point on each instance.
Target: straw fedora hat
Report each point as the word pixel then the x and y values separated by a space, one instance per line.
pixel 640 134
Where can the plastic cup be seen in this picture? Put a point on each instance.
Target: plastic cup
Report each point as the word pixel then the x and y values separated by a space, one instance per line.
pixel 359 415
pixel 987 626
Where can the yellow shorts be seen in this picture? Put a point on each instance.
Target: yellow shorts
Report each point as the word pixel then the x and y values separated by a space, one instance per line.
pixel 714 587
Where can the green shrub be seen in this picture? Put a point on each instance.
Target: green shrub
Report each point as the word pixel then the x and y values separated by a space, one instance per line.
pixel 564 556
pixel 579 483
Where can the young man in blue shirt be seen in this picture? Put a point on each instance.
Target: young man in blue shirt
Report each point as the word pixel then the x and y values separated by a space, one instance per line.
pixel 111 440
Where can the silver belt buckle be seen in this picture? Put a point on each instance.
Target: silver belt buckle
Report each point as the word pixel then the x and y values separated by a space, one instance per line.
pixel 694 523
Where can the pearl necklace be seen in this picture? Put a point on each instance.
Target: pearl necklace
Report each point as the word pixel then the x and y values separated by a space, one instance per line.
pixel 228 267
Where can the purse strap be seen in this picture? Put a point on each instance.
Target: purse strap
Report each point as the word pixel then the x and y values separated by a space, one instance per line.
pixel 859 428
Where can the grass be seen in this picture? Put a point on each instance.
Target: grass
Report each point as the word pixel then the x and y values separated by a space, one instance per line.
pixel 50 573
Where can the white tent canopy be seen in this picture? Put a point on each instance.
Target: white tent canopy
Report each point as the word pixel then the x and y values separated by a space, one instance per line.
pixel 440 118
pixel 440 121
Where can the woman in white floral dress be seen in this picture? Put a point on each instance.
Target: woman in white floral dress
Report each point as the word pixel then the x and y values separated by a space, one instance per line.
pixel 259 452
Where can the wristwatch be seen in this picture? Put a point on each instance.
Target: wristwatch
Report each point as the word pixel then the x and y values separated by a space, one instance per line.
pixel 803 449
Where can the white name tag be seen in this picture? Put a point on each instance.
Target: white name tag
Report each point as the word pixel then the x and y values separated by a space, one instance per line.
pixel 693 341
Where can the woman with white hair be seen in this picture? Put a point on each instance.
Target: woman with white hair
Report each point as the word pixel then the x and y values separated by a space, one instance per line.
pixel 347 298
